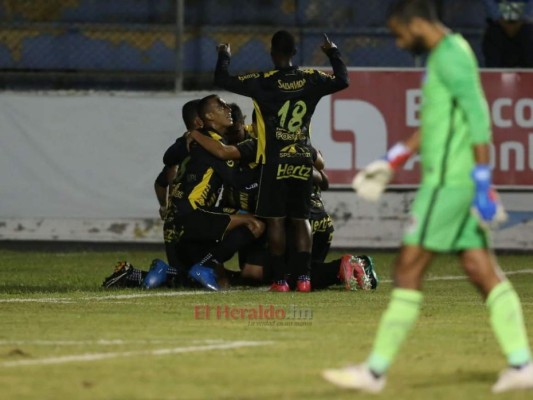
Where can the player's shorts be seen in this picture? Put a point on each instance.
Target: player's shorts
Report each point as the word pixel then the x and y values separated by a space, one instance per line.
pixel 322 229
pixel 201 225
pixel 285 191
pixel 441 220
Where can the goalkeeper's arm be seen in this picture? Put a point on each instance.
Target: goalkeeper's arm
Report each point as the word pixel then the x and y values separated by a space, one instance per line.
pixel 402 151
pixel 486 201
pixel 370 182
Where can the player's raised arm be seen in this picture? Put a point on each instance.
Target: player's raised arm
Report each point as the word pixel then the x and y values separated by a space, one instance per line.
pixel 246 85
pixel 339 80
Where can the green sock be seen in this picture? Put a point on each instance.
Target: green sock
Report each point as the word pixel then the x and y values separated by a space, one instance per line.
pixel 508 323
pixel 400 316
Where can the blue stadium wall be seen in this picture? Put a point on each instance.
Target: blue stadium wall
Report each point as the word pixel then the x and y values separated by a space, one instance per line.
pixel 139 35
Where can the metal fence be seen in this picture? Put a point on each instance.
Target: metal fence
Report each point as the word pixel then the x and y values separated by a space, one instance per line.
pixel 170 44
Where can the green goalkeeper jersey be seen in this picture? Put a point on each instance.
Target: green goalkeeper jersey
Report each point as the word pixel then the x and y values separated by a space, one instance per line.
pixel 454 114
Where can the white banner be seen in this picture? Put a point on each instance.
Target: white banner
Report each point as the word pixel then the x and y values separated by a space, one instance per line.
pixel 360 224
pixel 86 156
pixel 82 167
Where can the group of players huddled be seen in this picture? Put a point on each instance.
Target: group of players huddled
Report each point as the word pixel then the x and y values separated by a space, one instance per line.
pixel 255 190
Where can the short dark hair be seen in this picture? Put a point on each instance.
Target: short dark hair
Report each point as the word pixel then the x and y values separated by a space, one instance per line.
pixel 406 10
pixel 236 113
pixel 203 105
pixel 189 112
pixel 283 43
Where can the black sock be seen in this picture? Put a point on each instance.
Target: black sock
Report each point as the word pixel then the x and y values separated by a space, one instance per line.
pixel 172 255
pixel 325 274
pixel 232 242
pixel 278 266
pixel 136 277
pixel 301 263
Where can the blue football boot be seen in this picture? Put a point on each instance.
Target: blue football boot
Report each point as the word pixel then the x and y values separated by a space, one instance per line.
pixel 205 276
pixel 157 274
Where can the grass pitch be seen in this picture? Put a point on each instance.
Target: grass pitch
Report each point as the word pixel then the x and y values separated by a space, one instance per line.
pixel 63 337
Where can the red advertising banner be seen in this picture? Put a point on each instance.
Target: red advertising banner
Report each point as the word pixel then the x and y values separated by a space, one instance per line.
pixel 381 107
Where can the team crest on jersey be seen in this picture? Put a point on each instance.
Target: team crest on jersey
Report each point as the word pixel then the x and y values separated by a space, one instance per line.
pixel 230 163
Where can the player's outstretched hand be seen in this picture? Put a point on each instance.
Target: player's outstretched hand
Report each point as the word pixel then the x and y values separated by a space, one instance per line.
pixel 371 181
pixel 488 208
pixel 328 44
pixel 486 204
pixel 224 48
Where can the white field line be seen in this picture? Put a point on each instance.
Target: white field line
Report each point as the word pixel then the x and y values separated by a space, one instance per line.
pixel 463 277
pixel 106 297
pixel 201 292
pixel 98 342
pixel 106 356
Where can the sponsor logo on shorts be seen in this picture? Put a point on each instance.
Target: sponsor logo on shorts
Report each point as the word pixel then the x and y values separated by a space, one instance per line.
pixel 286 171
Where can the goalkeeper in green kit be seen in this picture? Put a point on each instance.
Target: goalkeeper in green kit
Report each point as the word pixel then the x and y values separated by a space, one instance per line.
pixel 453 142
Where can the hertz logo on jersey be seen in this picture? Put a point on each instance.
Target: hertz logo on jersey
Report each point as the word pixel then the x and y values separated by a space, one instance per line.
pixel 294 85
pixel 286 171
pixel 322 225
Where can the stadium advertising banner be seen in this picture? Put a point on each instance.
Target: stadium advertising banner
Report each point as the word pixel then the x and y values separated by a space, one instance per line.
pixel 81 166
pixel 381 107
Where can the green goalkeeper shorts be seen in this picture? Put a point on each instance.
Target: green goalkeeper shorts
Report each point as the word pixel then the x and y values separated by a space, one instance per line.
pixel 441 220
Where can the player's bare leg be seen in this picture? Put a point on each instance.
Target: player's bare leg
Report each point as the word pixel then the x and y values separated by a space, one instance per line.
pixel 505 316
pixel 401 314
pixel 277 246
pixel 300 261
pixel 482 269
pixel 409 267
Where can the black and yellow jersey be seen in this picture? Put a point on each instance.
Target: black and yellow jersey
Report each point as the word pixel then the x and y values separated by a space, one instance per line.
pixel 201 177
pixel 174 155
pixel 319 218
pixel 284 102
pixel 242 194
pixel 317 205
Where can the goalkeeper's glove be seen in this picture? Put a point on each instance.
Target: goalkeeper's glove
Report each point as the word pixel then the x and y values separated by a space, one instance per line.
pixel 370 182
pixel 486 203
